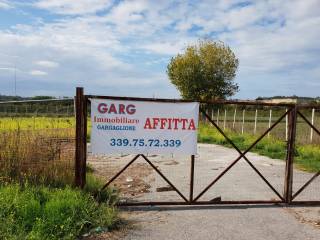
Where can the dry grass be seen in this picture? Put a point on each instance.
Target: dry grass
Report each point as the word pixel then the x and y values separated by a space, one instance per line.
pixel 40 157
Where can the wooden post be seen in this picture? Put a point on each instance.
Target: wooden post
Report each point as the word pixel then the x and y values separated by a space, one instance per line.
pixel 290 155
pixel 81 139
pixel 218 115
pixel 287 125
pixel 255 122
pixel 270 118
pixel 234 117
pixel 242 126
pixel 212 113
pixel 312 122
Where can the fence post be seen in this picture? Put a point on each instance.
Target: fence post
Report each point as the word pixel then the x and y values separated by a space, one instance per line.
pixel 270 119
pixel 191 179
pixel 292 122
pixel 81 140
pixel 243 115
pixel 287 125
pixel 218 115
pixel 312 122
pixel 255 122
pixel 234 117
pixel 212 113
pixel 225 118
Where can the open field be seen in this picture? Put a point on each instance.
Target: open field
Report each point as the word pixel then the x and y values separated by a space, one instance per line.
pixel 35 123
pixel 274 146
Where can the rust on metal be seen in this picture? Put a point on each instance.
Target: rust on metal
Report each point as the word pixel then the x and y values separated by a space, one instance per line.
pixel 82 100
pixel 241 154
pixel 191 179
pixel 81 142
pixel 290 155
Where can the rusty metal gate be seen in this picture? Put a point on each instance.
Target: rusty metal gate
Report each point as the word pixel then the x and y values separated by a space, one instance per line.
pixel 284 193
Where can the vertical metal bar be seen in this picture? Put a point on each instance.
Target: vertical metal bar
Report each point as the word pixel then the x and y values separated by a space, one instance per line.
pixel 290 155
pixel 191 179
pixel 80 139
pixel 312 122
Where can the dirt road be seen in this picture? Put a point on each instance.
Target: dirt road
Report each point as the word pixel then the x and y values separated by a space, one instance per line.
pixel 141 183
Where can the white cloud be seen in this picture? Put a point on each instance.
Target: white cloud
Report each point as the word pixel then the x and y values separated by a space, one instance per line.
pixel 5 4
pixel 47 64
pixel 38 73
pixel 73 7
pixel 121 44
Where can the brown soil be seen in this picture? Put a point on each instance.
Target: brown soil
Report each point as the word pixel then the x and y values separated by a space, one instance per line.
pixel 134 181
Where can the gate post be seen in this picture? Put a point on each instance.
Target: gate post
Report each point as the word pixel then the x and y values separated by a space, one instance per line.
pixel 81 139
pixel 292 124
pixel 191 179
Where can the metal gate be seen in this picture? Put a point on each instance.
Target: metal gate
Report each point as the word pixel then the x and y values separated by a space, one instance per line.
pixel 189 196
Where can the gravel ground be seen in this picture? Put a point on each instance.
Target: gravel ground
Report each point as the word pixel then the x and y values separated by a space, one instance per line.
pixel 141 183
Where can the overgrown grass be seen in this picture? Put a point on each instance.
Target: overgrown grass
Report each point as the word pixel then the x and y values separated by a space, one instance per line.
pixel 93 186
pixel 36 177
pixel 38 212
pixel 307 157
pixel 42 156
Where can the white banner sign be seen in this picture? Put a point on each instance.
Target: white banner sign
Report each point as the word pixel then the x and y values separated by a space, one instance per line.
pixel 142 127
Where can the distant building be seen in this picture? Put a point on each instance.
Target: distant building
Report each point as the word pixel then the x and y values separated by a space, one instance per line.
pixel 292 100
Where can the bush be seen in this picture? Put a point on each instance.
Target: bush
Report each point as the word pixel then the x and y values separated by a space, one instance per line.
pixel 30 212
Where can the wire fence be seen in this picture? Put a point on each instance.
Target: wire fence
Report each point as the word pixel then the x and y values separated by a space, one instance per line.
pixel 254 120
pixel 37 141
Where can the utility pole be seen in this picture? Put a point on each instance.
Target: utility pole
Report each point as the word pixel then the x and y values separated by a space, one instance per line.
pixel 15 79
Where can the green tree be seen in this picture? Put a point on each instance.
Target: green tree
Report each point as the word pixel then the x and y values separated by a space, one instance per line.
pixel 205 71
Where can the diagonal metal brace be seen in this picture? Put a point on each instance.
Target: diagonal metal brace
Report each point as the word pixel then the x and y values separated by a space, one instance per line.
pixel 164 177
pixel 121 171
pixel 242 154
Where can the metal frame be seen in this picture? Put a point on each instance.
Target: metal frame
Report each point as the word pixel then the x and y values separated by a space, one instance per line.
pixel 303 187
pixel 287 198
pixel 242 155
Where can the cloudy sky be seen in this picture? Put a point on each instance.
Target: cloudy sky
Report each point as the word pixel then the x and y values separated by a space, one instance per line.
pixel 114 47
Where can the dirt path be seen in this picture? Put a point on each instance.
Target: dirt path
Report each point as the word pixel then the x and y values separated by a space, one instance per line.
pixel 141 183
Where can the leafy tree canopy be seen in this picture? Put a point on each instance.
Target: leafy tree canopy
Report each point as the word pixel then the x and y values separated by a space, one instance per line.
pixel 205 71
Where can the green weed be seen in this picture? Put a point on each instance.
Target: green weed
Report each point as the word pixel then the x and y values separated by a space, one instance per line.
pixel 30 212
